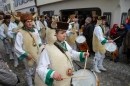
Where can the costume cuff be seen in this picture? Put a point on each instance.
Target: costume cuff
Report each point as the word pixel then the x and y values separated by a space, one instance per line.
pixel 49 80
pixel 106 37
pixel 40 30
pixel 23 56
pixel 81 57
pixel 104 41
pixel 52 74
pixel 4 38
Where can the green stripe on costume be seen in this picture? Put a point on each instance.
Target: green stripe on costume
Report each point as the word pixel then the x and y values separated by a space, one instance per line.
pixel 49 80
pixel 23 56
pixel 81 57
pixel 104 41
pixel 40 30
pixel 4 38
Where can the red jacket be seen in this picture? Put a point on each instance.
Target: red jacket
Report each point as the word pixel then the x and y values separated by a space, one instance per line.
pixel 113 31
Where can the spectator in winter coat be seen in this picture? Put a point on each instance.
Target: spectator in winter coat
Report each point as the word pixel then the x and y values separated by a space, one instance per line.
pixel 128 25
pixel 88 32
pixel 114 30
pixel 127 42
pixel 121 32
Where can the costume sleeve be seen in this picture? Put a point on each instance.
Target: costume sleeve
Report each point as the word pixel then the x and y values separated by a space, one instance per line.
pixel 98 33
pixel 68 32
pixel 10 32
pixel 45 23
pixel 38 26
pixel 2 34
pixel 18 47
pixel 39 39
pixel 43 68
pixel 78 56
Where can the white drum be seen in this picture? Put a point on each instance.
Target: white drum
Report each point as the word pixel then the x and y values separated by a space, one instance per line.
pixel 80 39
pixel 89 80
pixel 111 47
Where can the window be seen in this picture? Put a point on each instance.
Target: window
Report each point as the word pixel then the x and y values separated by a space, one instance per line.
pixel 20 2
pixel 8 7
pixel 123 18
pixel 49 13
pixel 16 3
pixel 108 15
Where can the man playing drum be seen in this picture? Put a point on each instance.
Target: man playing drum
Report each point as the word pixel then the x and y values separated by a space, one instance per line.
pixel 98 44
pixel 55 61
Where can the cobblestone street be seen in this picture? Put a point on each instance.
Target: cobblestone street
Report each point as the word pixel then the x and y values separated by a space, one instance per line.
pixel 117 74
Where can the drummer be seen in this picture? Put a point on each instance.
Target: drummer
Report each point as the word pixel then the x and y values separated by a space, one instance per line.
pixel 55 60
pixel 98 44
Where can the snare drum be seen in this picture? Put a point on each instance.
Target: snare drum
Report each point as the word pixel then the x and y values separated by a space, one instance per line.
pixel 89 80
pixel 111 47
pixel 81 41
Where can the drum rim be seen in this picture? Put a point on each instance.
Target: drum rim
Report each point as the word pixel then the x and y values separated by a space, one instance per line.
pixel 111 43
pixel 96 77
pixel 80 36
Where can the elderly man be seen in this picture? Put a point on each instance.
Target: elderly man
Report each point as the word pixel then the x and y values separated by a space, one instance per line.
pixel 88 32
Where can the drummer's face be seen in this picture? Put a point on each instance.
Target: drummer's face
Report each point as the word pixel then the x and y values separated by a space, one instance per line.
pixel 61 35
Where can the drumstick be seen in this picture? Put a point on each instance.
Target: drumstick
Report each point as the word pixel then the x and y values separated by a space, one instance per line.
pixel 85 63
pixel 75 76
pixel 117 38
pixel 33 59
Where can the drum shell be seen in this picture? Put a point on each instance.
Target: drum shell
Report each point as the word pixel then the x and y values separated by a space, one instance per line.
pixel 83 47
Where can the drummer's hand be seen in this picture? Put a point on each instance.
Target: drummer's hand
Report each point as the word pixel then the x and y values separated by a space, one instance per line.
pixel 110 41
pixel 86 54
pixel 29 57
pixel 57 76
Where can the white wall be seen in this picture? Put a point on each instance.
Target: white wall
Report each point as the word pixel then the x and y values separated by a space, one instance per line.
pixel 104 5
pixel 125 5
pixel 1 6
pixel 11 2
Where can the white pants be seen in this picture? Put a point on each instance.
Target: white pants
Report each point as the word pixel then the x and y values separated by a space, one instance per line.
pixel 99 56
pixel 98 59
pixel 30 72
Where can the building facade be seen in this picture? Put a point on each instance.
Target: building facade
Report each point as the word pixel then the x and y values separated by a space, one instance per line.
pixel 25 6
pixel 115 10
pixel 1 6
pixel 8 5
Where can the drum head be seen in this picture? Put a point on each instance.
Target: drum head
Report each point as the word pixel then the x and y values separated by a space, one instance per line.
pixel 111 47
pixel 80 39
pixel 88 80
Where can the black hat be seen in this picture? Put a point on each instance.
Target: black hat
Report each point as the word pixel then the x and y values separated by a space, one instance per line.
pixel 7 17
pixel 62 26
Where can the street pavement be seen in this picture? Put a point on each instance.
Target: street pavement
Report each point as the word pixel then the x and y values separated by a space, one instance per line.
pixel 117 74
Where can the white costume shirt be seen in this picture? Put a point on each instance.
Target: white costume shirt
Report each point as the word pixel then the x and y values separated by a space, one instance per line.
pixel 2 32
pixel 12 25
pixel 18 47
pixel 44 62
pixel 98 32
